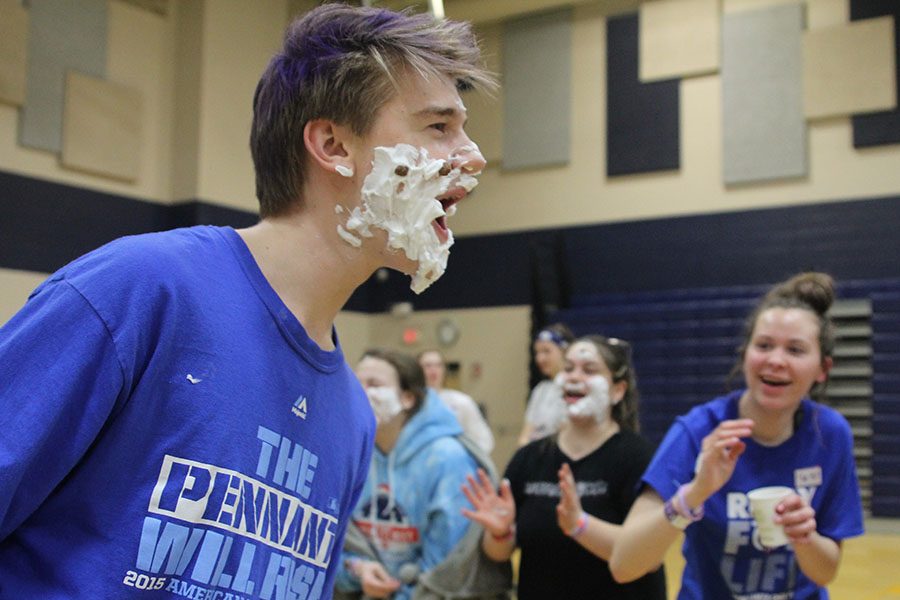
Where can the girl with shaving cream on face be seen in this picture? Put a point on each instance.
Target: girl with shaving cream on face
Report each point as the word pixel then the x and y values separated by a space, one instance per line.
pixel 564 497
pixel 409 509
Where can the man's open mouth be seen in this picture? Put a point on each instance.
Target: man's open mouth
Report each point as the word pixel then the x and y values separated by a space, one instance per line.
pixel 447 201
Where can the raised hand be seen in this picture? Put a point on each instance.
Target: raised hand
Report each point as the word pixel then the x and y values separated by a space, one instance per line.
pixel 495 512
pixel 569 508
pixel 719 454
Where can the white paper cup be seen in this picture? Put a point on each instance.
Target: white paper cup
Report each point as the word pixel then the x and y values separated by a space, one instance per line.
pixel 762 505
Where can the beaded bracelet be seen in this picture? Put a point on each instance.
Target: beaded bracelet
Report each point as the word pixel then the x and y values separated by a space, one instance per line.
pixel 580 526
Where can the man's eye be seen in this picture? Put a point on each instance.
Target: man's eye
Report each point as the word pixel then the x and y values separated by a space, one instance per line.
pixel 442 127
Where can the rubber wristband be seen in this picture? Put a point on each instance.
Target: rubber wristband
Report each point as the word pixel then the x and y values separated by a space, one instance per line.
pixel 674 518
pixel 581 526
pixel 682 507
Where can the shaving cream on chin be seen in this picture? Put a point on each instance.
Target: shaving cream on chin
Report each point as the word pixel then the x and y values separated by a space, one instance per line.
pixel 595 403
pixel 399 196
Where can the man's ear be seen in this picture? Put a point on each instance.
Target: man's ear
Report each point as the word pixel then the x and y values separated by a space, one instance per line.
pixel 327 144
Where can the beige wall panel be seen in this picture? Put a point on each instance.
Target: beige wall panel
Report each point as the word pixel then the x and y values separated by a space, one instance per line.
pixel 101 127
pixel 139 54
pixel 486 111
pixel 15 287
pixel 13 52
pixel 678 38
pixel 188 44
pixel 494 340
pixel 849 69
pixel 239 39
pixel 134 35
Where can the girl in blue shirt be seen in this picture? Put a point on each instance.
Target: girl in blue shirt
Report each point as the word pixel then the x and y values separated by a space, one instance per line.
pixel 770 433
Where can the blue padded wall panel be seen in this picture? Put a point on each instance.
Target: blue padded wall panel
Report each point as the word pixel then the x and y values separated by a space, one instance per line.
pixel 642 119
pixel 884 127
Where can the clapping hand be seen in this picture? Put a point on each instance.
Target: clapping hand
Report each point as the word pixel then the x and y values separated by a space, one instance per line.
pixel 495 512
pixel 569 510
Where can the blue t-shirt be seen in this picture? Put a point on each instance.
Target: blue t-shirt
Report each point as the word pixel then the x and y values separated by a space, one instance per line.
pixel 724 558
pixel 168 430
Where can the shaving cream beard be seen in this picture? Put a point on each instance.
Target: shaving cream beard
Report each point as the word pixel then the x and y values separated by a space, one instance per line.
pixel 385 403
pixel 399 196
pixel 595 403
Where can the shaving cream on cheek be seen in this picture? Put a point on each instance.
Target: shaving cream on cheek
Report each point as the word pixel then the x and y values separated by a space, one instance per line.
pixel 595 403
pixel 399 196
pixel 385 403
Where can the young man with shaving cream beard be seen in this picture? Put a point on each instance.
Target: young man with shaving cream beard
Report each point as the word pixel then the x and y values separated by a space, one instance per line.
pixel 201 433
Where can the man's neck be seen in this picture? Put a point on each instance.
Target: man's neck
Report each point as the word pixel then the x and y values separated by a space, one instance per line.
pixel 311 269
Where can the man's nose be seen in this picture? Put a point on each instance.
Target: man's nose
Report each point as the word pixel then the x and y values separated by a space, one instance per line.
pixel 468 158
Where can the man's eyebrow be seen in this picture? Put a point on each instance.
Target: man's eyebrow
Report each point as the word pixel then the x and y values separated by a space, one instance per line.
pixel 439 111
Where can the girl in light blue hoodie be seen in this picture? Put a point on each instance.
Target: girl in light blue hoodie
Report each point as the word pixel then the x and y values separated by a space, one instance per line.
pixel 410 508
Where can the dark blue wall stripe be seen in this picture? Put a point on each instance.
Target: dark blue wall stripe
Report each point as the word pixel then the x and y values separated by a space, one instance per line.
pixel 641 118
pixel 884 127
pixel 850 239
pixel 43 225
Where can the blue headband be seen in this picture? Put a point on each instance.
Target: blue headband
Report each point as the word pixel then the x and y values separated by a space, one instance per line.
pixel 548 335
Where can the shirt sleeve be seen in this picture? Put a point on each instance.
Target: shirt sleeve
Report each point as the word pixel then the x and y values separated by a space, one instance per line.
pixel 839 515
pixel 60 379
pixel 673 462
pixel 446 523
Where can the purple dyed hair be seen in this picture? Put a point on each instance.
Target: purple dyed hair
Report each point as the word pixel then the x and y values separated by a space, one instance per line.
pixel 339 62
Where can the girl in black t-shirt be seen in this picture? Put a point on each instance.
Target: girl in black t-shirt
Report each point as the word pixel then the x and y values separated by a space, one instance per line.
pixel 564 497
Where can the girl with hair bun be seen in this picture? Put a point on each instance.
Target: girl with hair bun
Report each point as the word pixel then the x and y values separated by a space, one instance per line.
pixel 771 433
